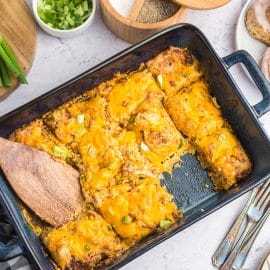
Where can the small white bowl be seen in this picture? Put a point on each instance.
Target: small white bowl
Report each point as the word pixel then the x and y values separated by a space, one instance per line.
pixel 63 33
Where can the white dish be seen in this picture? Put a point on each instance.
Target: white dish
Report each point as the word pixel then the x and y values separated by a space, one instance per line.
pixel 63 33
pixel 266 263
pixel 244 41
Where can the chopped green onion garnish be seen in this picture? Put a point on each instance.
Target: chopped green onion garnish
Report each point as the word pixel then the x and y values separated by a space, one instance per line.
pixel 144 147
pixel 119 181
pixel 131 119
pixel 222 137
pixel 82 177
pixel 87 247
pixel 160 80
pixel 80 118
pixel 181 143
pixel 110 227
pixel 60 151
pixel 164 224
pixel 127 219
pixel 63 14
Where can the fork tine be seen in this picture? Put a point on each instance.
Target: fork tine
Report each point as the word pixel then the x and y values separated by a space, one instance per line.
pixel 229 240
pixel 264 199
pixel 250 239
pixel 265 203
pixel 261 192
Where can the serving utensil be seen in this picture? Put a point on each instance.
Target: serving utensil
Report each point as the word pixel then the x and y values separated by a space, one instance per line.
pixel 242 255
pixel 51 189
pixel 254 214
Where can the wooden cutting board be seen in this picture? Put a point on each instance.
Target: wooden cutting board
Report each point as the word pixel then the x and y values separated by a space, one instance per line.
pixel 201 4
pixel 18 27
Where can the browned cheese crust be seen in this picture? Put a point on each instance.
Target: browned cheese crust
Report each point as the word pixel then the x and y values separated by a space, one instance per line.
pixel 255 29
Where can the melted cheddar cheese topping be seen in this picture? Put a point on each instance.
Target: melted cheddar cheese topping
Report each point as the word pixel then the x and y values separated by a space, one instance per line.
pixel 70 123
pixel 193 110
pixel 144 205
pixel 177 68
pixel 160 141
pixel 197 115
pixel 125 96
pixel 87 240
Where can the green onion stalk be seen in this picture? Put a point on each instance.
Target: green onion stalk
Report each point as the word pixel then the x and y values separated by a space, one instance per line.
pixel 8 62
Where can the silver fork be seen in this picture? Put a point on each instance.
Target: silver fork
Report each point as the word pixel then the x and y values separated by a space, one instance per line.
pixel 242 255
pixel 228 242
pixel 254 214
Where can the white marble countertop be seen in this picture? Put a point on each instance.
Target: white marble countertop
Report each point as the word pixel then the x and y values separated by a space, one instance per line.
pixel 58 60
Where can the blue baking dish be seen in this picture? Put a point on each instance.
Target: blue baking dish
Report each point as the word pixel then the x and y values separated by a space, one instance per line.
pixel 190 185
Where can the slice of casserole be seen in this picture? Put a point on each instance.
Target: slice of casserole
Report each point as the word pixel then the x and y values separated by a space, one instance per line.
pixel 126 94
pixel 197 115
pixel 134 211
pixel 159 139
pixel 37 135
pixel 174 69
pixel 194 112
pixel 83 244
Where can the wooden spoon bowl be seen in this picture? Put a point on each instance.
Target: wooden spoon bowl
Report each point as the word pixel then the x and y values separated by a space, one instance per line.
pixel 49 188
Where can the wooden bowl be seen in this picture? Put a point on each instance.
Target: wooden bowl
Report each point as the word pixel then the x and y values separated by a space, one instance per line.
pixel 128 29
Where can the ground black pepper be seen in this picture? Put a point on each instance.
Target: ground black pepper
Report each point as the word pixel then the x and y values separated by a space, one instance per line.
pixel 156 11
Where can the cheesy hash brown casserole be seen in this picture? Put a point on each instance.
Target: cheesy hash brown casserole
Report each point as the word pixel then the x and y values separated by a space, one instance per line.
pixel 121 136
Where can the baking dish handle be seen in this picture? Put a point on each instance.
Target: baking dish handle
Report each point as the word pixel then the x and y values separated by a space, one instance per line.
pixel 8 252
pixel 255 72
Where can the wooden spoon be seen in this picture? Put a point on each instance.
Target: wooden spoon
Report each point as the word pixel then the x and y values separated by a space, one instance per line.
pixel 51 189
pixel 201 4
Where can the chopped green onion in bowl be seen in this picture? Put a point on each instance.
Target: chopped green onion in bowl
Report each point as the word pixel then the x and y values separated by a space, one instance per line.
pixel 64 14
